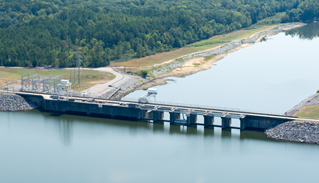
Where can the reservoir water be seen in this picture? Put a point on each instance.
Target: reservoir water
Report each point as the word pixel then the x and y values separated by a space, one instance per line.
pixel 270 76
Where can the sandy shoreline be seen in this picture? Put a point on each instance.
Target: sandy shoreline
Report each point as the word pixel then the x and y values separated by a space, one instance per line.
pixel 191 67
pixel 195 65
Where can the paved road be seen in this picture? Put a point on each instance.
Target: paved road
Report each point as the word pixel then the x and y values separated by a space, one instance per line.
pixel 119 80
pixel 122 81
pixel 186 109
pixel 102 88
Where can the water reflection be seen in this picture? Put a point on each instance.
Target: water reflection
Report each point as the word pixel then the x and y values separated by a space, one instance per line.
pixel 103 148
pixel 309 31
pixel 66 124
pixel 107 150
pixel 65 129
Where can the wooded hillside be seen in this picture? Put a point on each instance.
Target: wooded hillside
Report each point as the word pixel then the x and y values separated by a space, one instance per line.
pixel 48 32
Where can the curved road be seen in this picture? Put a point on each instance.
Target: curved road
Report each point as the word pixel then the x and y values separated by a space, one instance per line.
pixel 99 89
pixel 119 79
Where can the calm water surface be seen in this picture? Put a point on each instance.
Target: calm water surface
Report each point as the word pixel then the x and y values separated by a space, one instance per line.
pixel 273 76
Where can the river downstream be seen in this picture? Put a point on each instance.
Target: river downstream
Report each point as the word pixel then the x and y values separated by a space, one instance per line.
pixel 270 76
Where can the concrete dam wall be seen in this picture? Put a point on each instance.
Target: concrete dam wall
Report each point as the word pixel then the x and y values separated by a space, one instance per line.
pixel 81 108
pixel 155 112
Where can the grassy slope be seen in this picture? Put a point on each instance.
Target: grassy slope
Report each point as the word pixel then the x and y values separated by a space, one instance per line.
pixel 88 77
pixel 309 112
pixel 201 45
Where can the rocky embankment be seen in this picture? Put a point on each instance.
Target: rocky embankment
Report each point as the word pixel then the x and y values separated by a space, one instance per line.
pixel 312 100
pixel 305 132
pixel 223 49
pixel 133 85
pixel 12 102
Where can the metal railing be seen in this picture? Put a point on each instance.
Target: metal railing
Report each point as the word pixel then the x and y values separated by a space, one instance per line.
pixel 175 104
pixel 7 90
pixel 205 107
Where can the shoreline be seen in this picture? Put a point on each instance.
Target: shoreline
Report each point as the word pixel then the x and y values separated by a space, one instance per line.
pixel 295 131
pixel 177 72
pixel 193 63
pixel 14 103
pixel 309 101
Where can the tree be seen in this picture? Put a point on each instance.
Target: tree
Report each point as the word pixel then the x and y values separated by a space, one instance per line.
pixel 308 14
pixel 143 73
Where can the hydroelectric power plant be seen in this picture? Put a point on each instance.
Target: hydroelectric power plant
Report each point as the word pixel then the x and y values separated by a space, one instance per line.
pixel 64 101
pixel 154 112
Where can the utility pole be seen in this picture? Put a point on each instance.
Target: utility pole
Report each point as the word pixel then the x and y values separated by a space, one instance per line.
pixel 78 64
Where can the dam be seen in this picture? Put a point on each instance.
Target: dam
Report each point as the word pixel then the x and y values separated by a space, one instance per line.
pixel 155 112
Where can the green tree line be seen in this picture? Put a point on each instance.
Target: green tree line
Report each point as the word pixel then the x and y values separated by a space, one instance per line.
pixel 305 11
pixel 42 33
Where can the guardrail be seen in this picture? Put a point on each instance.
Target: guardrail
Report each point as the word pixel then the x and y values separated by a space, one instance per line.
pixel 173 104
pixel 112 94
pixel 7 91
pixel 205 107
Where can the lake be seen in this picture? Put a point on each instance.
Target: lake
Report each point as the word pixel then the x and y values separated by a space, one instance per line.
pixel 271 76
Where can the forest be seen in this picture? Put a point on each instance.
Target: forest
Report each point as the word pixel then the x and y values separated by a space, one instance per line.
pixel 308 32
pixel 49 32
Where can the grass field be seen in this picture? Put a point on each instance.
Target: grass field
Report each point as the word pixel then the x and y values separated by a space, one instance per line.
pixel 214 41
pixel 88 77
pixel 309 112
pixel 270 20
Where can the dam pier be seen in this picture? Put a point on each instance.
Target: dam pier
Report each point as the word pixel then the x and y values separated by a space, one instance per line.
pixel 154 112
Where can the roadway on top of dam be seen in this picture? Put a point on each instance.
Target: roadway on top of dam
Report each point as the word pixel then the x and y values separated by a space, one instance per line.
pixel 179 108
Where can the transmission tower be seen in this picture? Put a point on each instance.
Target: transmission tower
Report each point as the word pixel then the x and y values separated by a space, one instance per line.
pixel 25 82
pixel 78 64
pixel 35 81
pixel 56 81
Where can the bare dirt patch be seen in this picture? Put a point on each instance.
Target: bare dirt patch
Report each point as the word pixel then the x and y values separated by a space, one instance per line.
pixel 198 64
pixel 156 82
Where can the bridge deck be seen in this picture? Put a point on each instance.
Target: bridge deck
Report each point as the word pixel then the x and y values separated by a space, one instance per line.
pixel 179 108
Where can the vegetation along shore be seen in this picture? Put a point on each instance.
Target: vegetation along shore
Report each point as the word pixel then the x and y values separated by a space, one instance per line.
pixel 300 131
pixel 203 60
pixel 48 33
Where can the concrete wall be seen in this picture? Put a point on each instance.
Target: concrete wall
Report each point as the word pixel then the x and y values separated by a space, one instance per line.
pixel 130 113
pixel 173 116
pixel 92 109
pixel 208 120
pixel 191 119
pixel 260 123
pixel 157 116
pixel 36 99
pixel 226 122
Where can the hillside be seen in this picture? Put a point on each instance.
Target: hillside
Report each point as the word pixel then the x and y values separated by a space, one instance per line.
pixel 48 32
